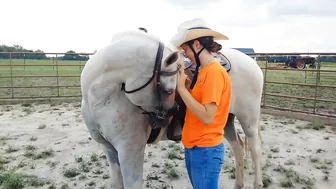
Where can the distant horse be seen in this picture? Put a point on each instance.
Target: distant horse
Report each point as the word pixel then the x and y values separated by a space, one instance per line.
pixel 129 100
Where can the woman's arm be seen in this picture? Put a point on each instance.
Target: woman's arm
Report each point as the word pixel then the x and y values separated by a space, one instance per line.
pixel 212 89
pixel 206 113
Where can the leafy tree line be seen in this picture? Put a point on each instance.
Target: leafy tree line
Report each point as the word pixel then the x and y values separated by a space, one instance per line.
pixel 39 54
pixel 70 55
pixel 282 59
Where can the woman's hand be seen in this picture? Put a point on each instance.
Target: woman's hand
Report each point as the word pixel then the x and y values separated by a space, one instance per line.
pixel 188 83
pixel 182 80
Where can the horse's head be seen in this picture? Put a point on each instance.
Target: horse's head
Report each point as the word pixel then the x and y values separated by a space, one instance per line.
pixel 153 85
pixel 166 83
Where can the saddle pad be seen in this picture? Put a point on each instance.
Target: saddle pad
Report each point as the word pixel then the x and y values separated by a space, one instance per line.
pixel 223 61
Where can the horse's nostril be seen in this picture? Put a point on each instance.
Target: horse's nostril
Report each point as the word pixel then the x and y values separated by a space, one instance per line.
pixel 170 91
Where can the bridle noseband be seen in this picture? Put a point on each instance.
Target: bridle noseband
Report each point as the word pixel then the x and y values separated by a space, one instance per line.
pixel 159 114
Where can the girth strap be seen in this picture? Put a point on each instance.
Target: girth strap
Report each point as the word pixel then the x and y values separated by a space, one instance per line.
pixel 153 135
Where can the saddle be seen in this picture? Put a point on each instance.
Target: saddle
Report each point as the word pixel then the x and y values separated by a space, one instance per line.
pixel 178 119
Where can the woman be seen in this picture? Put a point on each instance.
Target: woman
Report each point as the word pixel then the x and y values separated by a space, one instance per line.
pixel 207 101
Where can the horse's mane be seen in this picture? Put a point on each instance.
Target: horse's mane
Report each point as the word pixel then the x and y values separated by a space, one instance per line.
pixel 137 33
pixel 133 33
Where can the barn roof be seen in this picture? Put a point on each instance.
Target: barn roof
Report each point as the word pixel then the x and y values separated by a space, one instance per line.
pixel 246 50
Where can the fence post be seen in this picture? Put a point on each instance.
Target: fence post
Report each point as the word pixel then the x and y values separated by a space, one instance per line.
pixel 53 58
pixel 319 70
pixel 317 81
pixel 11 73
pixel 57 76
pixel 264 88
pixel 24 61
pixel 306 74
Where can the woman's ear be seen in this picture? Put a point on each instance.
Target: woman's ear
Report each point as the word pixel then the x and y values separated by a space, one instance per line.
pixel 197 45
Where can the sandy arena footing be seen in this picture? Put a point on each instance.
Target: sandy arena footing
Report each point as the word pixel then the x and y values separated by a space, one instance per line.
pixel 51 142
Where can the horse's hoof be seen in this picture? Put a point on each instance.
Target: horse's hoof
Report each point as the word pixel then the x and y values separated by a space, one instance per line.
pixel 258 185
pixel 238 186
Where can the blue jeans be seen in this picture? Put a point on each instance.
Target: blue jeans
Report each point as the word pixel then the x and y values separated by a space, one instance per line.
pixel 204 166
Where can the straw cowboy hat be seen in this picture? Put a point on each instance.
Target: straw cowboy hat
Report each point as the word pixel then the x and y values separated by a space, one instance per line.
pixel 193 29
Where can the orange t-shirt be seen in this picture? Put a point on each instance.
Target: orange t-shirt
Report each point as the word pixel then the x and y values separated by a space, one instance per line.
pixel 213 86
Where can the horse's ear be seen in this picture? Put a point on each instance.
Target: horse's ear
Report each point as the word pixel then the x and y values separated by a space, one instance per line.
pixel 172 58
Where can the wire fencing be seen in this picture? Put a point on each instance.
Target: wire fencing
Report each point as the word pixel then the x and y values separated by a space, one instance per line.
pixel 307 88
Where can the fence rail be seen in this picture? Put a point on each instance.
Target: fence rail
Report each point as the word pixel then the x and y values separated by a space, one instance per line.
pixel 309 90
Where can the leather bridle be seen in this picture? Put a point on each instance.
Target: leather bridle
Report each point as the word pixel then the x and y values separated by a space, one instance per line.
pixel 160 114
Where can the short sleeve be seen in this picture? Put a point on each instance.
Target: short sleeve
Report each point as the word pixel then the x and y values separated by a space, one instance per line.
pixel 213 87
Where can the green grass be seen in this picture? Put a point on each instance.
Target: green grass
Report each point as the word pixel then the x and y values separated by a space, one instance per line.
pixel 74 69
pixel 288 75
pixel 301 77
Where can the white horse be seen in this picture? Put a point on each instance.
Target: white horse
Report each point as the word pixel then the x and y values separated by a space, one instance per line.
pixel 117 85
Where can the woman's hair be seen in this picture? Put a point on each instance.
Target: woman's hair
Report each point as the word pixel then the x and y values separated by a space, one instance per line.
pixel 209 44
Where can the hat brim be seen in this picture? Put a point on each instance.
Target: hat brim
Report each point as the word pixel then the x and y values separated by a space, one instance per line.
pixel 183 37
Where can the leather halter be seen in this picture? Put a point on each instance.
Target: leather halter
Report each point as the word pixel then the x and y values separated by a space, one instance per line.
pixel 160 113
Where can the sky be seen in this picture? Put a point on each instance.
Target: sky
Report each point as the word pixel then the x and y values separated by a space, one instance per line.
pixel 88 25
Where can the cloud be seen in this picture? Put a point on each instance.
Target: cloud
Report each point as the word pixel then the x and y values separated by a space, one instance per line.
pixel 278 26
pixel 196 5
pixel 83 26
pixel 320 8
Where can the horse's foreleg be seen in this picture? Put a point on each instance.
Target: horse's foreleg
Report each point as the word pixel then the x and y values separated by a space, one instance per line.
pixel 251 130
pixel 238 150
pixel 131 157
pixel 112 159
pixel 109 150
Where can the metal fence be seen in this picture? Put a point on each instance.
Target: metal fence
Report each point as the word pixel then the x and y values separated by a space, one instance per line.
pixel 52 77
pixel 309 90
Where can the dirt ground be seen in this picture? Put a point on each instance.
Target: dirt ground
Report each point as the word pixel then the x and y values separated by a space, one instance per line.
pixel 48 146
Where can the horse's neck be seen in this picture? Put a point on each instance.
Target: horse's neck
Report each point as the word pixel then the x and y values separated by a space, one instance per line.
pixel 123 60
pixel 106 71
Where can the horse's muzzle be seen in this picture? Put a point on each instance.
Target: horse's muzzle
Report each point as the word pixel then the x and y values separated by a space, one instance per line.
pixel 161 118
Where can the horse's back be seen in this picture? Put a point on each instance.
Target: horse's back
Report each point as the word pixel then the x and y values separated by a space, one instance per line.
pixel 242 63
pixel 247 81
